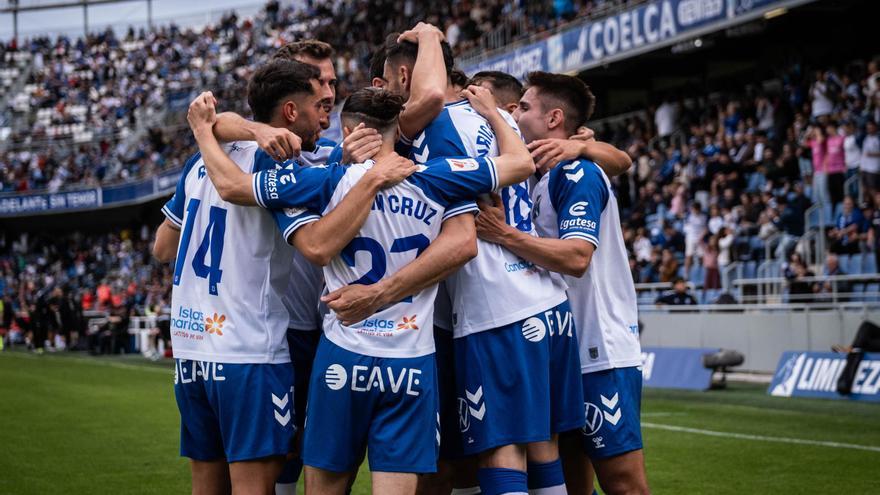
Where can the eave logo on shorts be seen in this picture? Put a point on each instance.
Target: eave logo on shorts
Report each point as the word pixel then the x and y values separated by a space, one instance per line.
pixel 366 378
pixel 463 165
pixel 534 329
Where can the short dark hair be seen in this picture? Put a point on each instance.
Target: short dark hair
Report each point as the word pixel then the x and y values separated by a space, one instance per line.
pixel 309 48
pixel 276 80
pixel 458 78
pixel 571 93
pixel 377 108
pixel 508 89
pixel 407 51
pixel 377 64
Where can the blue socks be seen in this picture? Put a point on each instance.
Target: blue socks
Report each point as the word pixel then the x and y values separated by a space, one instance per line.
pixel 500 481
pixel 546 479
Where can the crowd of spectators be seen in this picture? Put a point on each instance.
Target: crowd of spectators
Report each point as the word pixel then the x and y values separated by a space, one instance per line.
pixel 728 178
pixel 84 96
pixel 51 288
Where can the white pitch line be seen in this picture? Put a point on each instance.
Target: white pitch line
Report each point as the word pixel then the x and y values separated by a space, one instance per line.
pixel 761 438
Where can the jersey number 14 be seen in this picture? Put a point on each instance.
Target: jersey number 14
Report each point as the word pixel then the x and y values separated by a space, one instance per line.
pixel 212 240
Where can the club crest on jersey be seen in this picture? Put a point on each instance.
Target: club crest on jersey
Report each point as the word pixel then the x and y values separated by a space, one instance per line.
pixel 463 165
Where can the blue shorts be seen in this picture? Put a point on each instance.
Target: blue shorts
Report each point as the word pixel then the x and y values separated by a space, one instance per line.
pixel 385 405
pixel 503 382
pixel 613 403
pixel 239 412
pixel 450 438
pixel 566 387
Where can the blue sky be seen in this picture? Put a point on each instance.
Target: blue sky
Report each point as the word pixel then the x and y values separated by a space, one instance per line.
pixel 122 14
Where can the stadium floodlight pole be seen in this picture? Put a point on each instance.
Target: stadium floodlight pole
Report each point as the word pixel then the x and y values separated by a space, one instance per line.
pixel 150 14
pixel 85 5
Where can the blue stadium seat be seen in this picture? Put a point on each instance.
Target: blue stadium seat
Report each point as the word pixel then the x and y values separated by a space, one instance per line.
pixel 872 289
pixel 750 269
pixel 646 297
pixel 843 261
pixel 858 292
pixel 855 265
pixel 869 263
pixel 710 295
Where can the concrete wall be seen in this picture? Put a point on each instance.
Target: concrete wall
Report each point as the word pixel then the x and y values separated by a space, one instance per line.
pixel 761 334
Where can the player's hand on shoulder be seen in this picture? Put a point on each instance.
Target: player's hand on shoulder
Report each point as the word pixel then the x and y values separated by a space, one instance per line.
pixel 361 144
pixel 547 153
pixel 392 169
pixel 584 134
pixel 354 303
pixel 481 99
pixel 202 113
pixel 491 223
pixel 280 143
pixel 420 29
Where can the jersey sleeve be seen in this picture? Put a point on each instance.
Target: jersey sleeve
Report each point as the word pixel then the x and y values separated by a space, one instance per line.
pixel 173 209
pixel 579 195
pixel 335 155
pixel 304 187
pixel 289 220
pixel 454 180
pixel 461 208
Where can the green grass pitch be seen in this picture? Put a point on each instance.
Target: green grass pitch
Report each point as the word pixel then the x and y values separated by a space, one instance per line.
pixel 75 424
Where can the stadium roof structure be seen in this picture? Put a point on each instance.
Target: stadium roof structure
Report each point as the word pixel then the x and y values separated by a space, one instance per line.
pixel 15 7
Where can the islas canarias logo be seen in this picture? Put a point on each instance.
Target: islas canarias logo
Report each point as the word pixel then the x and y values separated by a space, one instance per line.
pixel 409 323
pixel 214 324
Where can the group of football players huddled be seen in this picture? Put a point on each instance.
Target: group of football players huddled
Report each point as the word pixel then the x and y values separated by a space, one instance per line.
pixel 444 293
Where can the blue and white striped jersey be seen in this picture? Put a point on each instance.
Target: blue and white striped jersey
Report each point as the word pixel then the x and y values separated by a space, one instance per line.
pixel 497 287
pixel 575 201
pixel 232 266
pixel 403 221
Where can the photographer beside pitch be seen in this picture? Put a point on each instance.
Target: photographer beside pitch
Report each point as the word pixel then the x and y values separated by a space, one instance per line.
pixel 575 208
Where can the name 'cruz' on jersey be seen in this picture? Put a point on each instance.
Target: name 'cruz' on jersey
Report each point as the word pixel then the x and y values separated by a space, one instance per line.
pixel 404 205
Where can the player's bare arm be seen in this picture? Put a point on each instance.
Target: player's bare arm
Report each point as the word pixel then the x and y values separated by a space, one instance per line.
pixel 323 240
pixel 548 152
pixel 455 246
pixel 514 161
pixel 167 239
pixel 280 143
pixel 231 182
pixel 567 256
pixel 429 78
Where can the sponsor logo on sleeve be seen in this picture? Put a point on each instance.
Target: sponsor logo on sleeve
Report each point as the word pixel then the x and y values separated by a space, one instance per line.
pixel 463 165
pixel 578 209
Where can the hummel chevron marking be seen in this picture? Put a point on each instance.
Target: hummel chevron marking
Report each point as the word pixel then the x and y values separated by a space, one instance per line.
pixel 283 420
pixel 613 419
pixel 280 403
pixel 571 166
pixel 418 142
pixel 609 403
pixel 476 396
pixel 575 176
pixel 423 156
pixel 479 413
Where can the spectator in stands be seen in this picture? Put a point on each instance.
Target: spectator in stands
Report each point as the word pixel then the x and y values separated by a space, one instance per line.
pixel 849 229
pixel 665 117
pixel 853 154
pixel 828 287
pixel 725 243
pixel 800 290
pixel 694 230
pixel 869 162
pixel 822 103
pixel 712 275
pixel 679 295
pixel 835 162
pixel 668 270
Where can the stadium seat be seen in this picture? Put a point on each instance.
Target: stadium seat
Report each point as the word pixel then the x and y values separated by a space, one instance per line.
pixel 710 295
pixel 855 265
pixel 869 263
pixel 843 261
pixel 871 292
pixel 750 269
